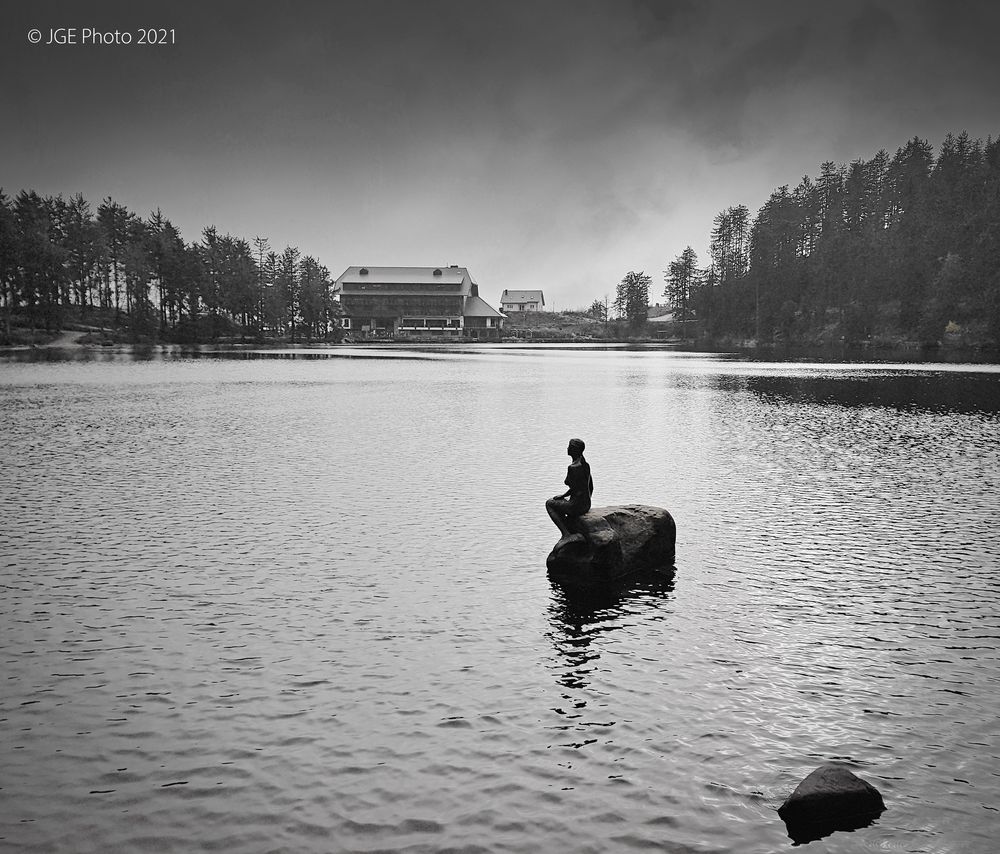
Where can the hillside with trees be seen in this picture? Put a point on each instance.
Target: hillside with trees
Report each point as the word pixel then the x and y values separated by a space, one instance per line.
pixel 889 250
pixel 63 263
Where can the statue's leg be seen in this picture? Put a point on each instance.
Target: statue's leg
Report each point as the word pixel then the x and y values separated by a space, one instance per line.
pixel 552 506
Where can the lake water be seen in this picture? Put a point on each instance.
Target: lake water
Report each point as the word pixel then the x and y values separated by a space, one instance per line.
pixel 298 602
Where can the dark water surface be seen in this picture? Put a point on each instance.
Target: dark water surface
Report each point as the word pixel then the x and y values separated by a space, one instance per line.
pixel 274 604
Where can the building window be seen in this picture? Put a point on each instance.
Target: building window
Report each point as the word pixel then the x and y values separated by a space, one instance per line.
pixel 345 322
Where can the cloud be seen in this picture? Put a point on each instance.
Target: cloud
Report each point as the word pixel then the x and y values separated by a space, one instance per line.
pixel 565 142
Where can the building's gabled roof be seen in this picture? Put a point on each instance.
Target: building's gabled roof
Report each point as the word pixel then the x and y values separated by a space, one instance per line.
pixel 477 307
pixel 522 296
pixel 404 276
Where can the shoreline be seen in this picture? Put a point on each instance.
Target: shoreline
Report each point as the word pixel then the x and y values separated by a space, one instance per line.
pixel 70 341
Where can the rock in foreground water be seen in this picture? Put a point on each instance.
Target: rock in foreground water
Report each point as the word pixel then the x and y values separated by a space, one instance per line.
pixel 611 542
pixel 831 798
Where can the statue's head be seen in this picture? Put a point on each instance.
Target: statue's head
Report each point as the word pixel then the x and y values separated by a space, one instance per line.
pixel 575 448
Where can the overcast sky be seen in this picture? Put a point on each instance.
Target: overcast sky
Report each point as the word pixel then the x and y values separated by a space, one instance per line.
pixel 552 145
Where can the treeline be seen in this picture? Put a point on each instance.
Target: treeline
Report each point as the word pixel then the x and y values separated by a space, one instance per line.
pixel 141 276
pixel 904 247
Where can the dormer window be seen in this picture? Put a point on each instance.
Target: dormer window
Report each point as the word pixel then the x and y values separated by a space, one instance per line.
pixel 364 271
pixel 437 272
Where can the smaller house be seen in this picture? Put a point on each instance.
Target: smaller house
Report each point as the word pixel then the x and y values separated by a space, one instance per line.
pixel 513 301
pixel 661 325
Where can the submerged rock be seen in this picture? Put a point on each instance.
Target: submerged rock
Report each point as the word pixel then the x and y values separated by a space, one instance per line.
pixel 610 542
pixel 831 798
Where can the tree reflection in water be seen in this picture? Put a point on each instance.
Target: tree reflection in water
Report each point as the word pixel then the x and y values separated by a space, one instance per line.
pixel 917 391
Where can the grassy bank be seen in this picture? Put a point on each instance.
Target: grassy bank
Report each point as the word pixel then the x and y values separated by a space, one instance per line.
pixel 106 327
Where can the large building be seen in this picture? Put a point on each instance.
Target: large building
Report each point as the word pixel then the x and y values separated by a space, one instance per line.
pixel 415 302
pixel 521 301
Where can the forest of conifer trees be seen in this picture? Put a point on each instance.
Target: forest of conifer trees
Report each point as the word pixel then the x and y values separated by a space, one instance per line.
pixel 58 258
pixel 890 249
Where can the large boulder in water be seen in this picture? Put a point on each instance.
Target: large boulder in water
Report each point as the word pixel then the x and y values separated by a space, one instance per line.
pixel 831 798
pixel 611 542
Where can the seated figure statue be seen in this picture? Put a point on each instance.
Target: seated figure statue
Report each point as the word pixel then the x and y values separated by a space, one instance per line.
pixel 575 501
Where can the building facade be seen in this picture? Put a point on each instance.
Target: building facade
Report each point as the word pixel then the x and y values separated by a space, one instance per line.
pixel 415 302
pixel 513 301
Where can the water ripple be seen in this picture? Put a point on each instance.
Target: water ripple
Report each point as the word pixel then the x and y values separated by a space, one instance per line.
pixel 258 606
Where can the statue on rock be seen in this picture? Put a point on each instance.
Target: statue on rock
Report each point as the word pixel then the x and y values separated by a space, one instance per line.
pixel 605 543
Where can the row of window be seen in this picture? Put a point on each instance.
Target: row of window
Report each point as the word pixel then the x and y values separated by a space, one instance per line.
pixel 425 323
pixel 430 323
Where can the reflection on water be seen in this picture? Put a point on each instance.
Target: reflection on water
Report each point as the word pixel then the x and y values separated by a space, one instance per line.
pixel 579 615
pixel 802 834
pixel 962 392
pixel 298 602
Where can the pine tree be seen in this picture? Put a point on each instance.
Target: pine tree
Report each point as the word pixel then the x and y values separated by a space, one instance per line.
pixel 681 281
pixel 287 284
pixel 8 265
pixel 39 269
pixel 83 248
pixel 113 220
pixel 632 299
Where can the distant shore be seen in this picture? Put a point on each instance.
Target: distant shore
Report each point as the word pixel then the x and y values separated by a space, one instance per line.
pixel 98 330
pixel 82 341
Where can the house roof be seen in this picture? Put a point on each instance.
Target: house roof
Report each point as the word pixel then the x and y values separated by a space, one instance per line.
pixel 477 307
pixel 405 276
pixel 448 289
pixel 522 296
